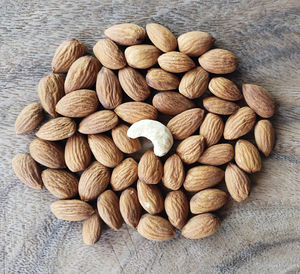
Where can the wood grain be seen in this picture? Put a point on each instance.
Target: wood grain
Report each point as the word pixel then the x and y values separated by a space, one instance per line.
pixel 260 235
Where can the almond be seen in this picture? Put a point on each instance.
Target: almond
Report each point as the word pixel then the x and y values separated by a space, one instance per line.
pixel 108 89
pixel 177 208
pixel 176 62
pixel 237 182
pixel 134 84
pixel 173 173
pixel 239 123
pixel 71 210
pixel 79 103
pixel 225 89
pixel 29 118
pixel 155 228
pixel 57 129
pixel 66 54
pixel 150 197
pixel 194 83
pixel 122 141
pixel 150 168
pixel 126 34
pixel 109 54
pixel 212 129
pixel 132 112
pixel 218 61
pixel 98 122
pixel 93 181
pixel 247 156
pixel 259 100
pixel 208 200
pixel 201 226
pixel 104 150
pixel 130 207
pixel 47 153
pixel 218 106
pixel 51 90
pixel 27 171
pixel 124 174
pixel 161 37
pixel 61 183
pixel 108 207
pixel 191 148
pixel 185 123
pixel 217 155
pixel 201 177
pixel 77 153
pixel 161 80
pixel 91 229
pixel 195 43
pixel 264 136
pixel 171 102
pixel 82 74
pixel 142 56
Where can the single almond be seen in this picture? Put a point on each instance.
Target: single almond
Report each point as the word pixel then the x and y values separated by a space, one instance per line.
pixel 247 156
pixel 27 171
pixel 174 173
pixel 224 89
pixel 176 62
pixel 219 106
pixel 217 155
pixel 212 129
pixel 29 118
pixel 239 123
pixel 91 229
pixel 160 79
pixel 264 136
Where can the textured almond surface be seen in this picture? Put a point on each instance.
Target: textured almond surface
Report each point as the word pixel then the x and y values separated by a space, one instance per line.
pixel 219 106
pixel 217 155
pixel 91 229
pixel 176 62
pixel 225 89
pixel 160 79
pixel 174 173
pixel 212 129
pixel 264 136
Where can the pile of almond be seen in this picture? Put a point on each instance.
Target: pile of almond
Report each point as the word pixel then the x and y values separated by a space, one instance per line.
pixel 83 154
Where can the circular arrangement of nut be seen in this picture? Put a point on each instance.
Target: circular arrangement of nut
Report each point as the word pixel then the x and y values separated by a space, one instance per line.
pixel 85 150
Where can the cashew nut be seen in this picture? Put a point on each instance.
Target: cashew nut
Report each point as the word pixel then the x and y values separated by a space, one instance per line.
pixel 160 136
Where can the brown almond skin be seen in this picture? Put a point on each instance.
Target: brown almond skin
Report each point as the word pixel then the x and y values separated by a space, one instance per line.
pixel 212 129
pixel 195 43
pixel 91 229
pixel 177 208
pixel 201 177
pixel 104 150
pixel 171 102
pixel 108 208
pixel 217 155
pixel 218 61
pixel 108 89
pixel 93 181
pixel 208 200
pixel 150 197
pixel 132 112
pixel 219 106
pixel 224 89
pixel 160 79
pixel 247 156
pixel 161 37
pixel 29 118
pixel 201 226
pixel 82 73
pixel 194 83
pixel 124 174
pixel 239 123
pixel 134 84
pixel 185 123
pixel 126 34
pixel 176 62
pixel 264 136
pixel 51 90
pixel 27 170
pixel 66 54
pixel 237 182
pixel 130 207
pixel 77 153
pixel 98 122
pixel 174 173
pixel 259 100
pixel 61 183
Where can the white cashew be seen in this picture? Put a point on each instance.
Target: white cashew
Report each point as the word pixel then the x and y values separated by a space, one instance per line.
pixel 160 136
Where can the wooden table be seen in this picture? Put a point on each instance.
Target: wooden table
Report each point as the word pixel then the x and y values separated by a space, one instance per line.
pixel 260 235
